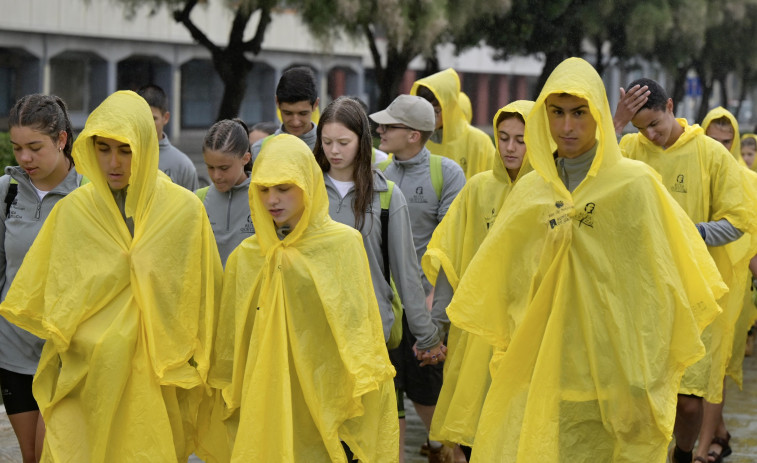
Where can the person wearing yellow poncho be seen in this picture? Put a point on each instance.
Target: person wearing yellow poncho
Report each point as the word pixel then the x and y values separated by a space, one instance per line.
pixel 454 138
pixel 748 149
pixel 705 179
pixel 122 283
pixel 300 349
pixel 449 252
pixel 714 438
pixel 578 287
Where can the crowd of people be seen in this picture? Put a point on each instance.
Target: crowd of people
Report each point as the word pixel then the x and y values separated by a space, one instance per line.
pixel 565 293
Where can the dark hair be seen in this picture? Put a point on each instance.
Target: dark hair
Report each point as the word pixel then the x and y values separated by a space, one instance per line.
pixel 268 127
pixel 155 97
pixel 426 93
pixel 510 115
pixel 47 114
pixel 723 122
pixel 229 136
pixel 425 135
pixel 297 84
pixel 349 113
pixel 658 97
pixel 749 141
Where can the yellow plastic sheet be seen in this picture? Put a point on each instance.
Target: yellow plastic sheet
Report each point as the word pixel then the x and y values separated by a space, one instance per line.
pixel 452 246
pixel 599 307
pixel 300 349
pixel 468 146
pixel 705 179
pixel 128 321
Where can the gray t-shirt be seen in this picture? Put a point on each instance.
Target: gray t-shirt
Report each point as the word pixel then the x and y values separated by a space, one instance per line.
pixel 177 165
pixel 19 349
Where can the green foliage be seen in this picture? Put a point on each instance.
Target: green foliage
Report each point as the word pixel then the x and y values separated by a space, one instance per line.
pixel 6 151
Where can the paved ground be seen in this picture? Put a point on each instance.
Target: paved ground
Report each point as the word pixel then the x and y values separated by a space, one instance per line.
pixel 741 419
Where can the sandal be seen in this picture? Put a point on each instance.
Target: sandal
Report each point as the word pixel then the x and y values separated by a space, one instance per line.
pixel 725 448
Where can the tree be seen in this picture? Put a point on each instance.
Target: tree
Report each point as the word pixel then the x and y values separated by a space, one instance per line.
pixel 230 61
pixel 401 29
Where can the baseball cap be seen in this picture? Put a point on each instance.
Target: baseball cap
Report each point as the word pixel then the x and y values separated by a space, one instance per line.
pixel 411 110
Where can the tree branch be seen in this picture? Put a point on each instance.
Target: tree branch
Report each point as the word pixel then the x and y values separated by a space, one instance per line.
pixel 182 16
pixel 239 24
pixel 374 50
pixel 256 43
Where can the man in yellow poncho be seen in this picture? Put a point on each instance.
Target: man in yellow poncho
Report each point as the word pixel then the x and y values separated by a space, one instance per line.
pixel 300 350
pixel 454 137
pixel 748 149
pixel 705 179
pixel 714 438
pixel 578 287
pixel 121 282
pixel 453 245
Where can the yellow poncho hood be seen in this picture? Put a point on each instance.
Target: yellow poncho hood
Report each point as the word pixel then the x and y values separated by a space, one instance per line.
pixel 465 106
pixel 585 363
pixel 123 315
pixel 717 113
pixel 300 349
pixel 452 246
pixel 468 146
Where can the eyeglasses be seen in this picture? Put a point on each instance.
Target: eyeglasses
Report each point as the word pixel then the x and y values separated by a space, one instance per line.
pixel 385 127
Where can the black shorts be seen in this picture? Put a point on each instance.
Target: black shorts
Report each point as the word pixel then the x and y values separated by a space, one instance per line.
pixel 421 384
pixel 17 392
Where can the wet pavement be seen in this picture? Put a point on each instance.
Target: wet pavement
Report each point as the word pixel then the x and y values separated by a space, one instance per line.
pixel 740 417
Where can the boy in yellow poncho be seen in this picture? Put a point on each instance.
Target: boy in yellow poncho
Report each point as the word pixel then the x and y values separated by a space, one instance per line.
pixel 705 179
pixel 121 282
pixel 454 137
pixel 300 349
pixel 714 437
pixel 455 241
pixel 578 287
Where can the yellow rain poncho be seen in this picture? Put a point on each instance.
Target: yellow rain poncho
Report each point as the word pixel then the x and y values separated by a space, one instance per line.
pixel 703 177
pixel 300 346
pixel 739 254
pixel 468 146
pixel 452 247
pixel 593 300
pixel 128 320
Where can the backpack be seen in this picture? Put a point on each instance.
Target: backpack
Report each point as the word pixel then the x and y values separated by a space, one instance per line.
pixel 202 193
pixel 435 165
pixel 395 334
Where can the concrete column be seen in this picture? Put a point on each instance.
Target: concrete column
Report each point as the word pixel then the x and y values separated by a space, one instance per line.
pixel 503 91
pixel 175 102
pixel 481 108
pixel 111 72
pixel 407 81
pixel 522 88
pixel 338 82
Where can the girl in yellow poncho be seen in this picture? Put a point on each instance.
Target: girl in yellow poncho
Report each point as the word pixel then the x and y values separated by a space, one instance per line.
pixel 300 348
pixel 454 137
pixel 121 282
pixel 449 252
pixel 579 292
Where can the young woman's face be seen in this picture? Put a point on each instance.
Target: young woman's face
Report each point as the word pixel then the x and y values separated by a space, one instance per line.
pixel 512 148
pixel 748 152
pixel 285 203
pixel 114 158
pixel 340 145
pixel 38 154
pixel 225 170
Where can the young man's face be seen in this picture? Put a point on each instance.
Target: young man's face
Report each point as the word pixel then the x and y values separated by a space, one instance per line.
pixel 394 137
pixel 656 125
pixel 721 134
pixel 161 119
pixel 297 117
pixel 571 124
pixel 748 154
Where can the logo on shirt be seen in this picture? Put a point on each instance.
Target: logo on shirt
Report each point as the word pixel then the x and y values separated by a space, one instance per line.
pixel 418 196
pixel 680 185
pixel 489 220
pixel 586 217
pixel 15 211
pixel 560 215
pixel 248 228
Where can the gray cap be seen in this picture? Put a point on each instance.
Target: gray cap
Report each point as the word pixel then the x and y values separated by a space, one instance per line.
pixel 411 110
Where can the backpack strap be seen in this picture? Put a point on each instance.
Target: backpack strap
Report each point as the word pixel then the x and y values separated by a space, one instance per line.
pixel 437 177
pixel 386 200
pixel 384 164
pixel 202 193
pixel 10 196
